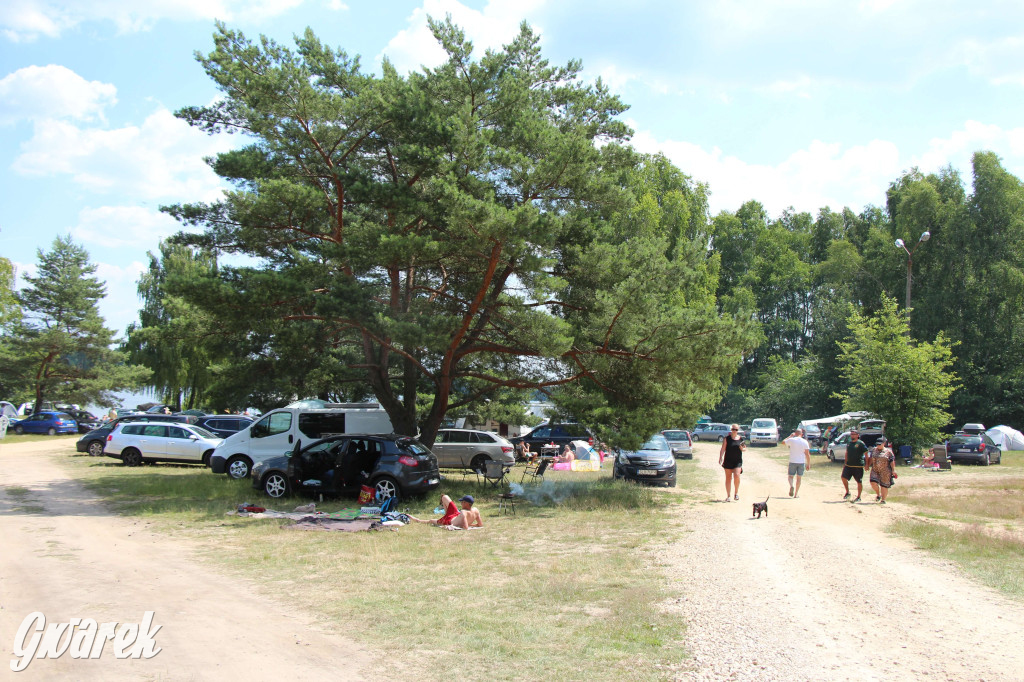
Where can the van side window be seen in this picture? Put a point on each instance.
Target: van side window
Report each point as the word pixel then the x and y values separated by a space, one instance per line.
pixel 272 424
pixel 322 424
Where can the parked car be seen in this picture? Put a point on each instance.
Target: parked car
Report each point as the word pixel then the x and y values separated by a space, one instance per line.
pixel 561 434
pixel 652 463
pixel 679 442
pixel 978 449
pixel 812 432
pixel 94 441
pixel 86 420
pixel 391 464
pixel 764 431
pixel 284 429
pixel 137 442
pixel 711 431
pixel 161 409
pixel 47 422
pixel 224 425
pixel 836 450
pixel 469 449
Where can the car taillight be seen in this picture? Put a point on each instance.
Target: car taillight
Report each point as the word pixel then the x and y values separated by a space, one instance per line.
pixel 110 437
pixel 506 448
pixel 981 447
pixel 408 461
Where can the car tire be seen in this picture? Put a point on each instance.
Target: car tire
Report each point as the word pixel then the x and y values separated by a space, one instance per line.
pixel 95 448
pixel 721 439
pixel 206 458
pixel 477 463
pixel 238 467
pixel 385 487
pixel 988 459
pixel 19 430
pixel 131 457
pixel 51 431
pixel 275 485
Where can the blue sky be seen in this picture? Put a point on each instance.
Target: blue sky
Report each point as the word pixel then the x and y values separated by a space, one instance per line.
pixel 803 103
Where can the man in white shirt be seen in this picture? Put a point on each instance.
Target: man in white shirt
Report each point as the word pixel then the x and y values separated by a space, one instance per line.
pixel 799 460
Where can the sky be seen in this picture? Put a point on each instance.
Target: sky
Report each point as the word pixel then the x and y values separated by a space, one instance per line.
pixel 794 103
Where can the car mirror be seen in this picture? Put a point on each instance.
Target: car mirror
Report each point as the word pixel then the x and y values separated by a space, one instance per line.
pixel 193 437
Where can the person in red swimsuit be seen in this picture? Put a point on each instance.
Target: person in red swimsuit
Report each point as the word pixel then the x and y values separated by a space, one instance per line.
pixel 451 510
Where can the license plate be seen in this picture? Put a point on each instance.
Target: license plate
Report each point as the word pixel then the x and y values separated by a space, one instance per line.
pixel 433 481
pixel 646 472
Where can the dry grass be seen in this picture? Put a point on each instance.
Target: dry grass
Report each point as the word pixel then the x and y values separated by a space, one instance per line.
pixel 564 589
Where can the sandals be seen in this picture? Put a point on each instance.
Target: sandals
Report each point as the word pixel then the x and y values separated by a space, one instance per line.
pixel 736 498
pixel 857 499
pixel 846 496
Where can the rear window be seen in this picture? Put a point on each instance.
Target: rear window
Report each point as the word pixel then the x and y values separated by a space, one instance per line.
pixel 965 440
pixel 675 435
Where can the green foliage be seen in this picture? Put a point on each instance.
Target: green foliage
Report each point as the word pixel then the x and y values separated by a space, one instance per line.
pixel 456 233
pixel 907 383
pixel 8 301
pixel 61 348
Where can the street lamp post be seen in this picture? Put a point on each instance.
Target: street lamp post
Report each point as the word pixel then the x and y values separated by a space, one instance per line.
pixel 925 236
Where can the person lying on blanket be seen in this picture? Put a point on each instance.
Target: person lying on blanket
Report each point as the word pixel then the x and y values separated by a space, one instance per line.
pixel 453 516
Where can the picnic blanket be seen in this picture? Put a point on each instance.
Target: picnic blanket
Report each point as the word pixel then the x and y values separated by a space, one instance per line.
pixel 272 514
pixel 343 525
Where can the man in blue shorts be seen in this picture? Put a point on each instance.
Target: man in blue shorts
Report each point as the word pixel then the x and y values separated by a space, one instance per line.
pixel 856 454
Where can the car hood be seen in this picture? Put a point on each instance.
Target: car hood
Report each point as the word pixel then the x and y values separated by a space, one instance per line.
pixel 641 456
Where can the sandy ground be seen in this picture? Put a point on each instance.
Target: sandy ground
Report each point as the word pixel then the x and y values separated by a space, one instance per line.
pixel 818 591
pixel 64 554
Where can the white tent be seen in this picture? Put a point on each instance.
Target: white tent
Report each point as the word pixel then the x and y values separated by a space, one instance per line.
pixel 1006 438
pixel 846 417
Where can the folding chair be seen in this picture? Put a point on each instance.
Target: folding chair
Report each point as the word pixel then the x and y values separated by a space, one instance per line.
pixel 494 472
pixel 535 471
pixel 941 458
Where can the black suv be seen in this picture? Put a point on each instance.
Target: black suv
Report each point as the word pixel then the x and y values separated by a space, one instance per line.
pixel 224 425
pixel 392 465
pixel 94 441
pixel 559 434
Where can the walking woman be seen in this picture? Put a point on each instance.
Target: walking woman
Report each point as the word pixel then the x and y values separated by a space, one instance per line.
pixel 731 459
pixel 882 464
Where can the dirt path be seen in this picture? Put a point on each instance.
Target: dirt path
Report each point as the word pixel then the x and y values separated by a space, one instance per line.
pixel 818 590
pixel 64 554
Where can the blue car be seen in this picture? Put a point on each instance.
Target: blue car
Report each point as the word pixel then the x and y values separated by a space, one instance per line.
pixel 46 422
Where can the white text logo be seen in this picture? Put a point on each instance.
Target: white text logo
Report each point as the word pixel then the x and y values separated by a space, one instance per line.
pixel 82 638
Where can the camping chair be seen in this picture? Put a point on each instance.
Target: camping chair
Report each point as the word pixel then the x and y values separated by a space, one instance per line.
pixel 535 471
pixel 494 472
pixel 940 458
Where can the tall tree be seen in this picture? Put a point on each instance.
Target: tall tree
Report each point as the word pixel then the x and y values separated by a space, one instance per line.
pixel 907 383
pixel 62 341
pixel 449 227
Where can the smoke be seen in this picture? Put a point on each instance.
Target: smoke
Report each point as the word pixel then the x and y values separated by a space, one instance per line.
pixel 547 493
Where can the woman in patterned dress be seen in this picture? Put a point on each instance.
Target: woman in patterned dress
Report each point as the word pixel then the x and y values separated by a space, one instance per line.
pixel 883 470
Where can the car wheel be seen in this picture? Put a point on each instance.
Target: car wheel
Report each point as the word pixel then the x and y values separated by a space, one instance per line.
pixel 477 463
pixel 988 459
pixel 206 458
pixel 96 448
pixel 385 488
pixel 275 485
pixel 721 438
pixel 238 467
pixel 19 430
pixel 51 431
pixel 131 457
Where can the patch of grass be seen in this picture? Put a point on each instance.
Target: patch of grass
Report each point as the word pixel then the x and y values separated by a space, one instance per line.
pixel 563 589
pixel 1001 498
pixel 13 439
pixel 23 501
pixel 993 560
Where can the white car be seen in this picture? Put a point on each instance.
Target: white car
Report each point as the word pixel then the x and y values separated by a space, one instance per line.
pixel 138 442
pixel 764 431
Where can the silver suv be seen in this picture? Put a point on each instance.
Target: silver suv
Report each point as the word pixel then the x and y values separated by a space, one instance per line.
pixel 468 449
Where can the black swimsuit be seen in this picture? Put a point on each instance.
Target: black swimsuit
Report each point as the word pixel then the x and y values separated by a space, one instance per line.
pixel 733 454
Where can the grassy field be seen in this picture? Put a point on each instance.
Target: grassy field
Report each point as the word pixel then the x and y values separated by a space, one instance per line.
pixel 972 515
pixel 565 588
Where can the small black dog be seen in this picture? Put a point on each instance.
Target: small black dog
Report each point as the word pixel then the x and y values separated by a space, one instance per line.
pixel 760 507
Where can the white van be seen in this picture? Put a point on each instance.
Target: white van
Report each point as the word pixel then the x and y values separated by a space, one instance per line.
pixel 764 431
pixel 285 429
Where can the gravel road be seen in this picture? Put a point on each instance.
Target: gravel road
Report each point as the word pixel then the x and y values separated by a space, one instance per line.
pixel 818 591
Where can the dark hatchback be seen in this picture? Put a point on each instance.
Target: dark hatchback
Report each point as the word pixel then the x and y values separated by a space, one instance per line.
pixel 94 441
pixel 653 463
pixel 86 421
pixel 559 434
pixel 339 465
pixel 224 425
pixel 977 449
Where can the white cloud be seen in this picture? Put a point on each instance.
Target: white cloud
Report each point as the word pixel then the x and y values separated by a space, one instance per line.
pixel 491 27
pixel 160 159
pixel 135 227
pixel 337 5
pixel 53 91
pixel 25 20
pixel 121 304
pixel 827 174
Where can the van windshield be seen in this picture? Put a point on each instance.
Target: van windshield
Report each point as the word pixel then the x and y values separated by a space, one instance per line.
pixel 764 424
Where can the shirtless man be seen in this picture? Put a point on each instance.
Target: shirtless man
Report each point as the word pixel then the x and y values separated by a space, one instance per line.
pixel 469 516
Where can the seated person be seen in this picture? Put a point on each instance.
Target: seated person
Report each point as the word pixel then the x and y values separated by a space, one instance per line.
pixel 450 512
pixel 567 455
pixel 929 459
pixel 528 455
